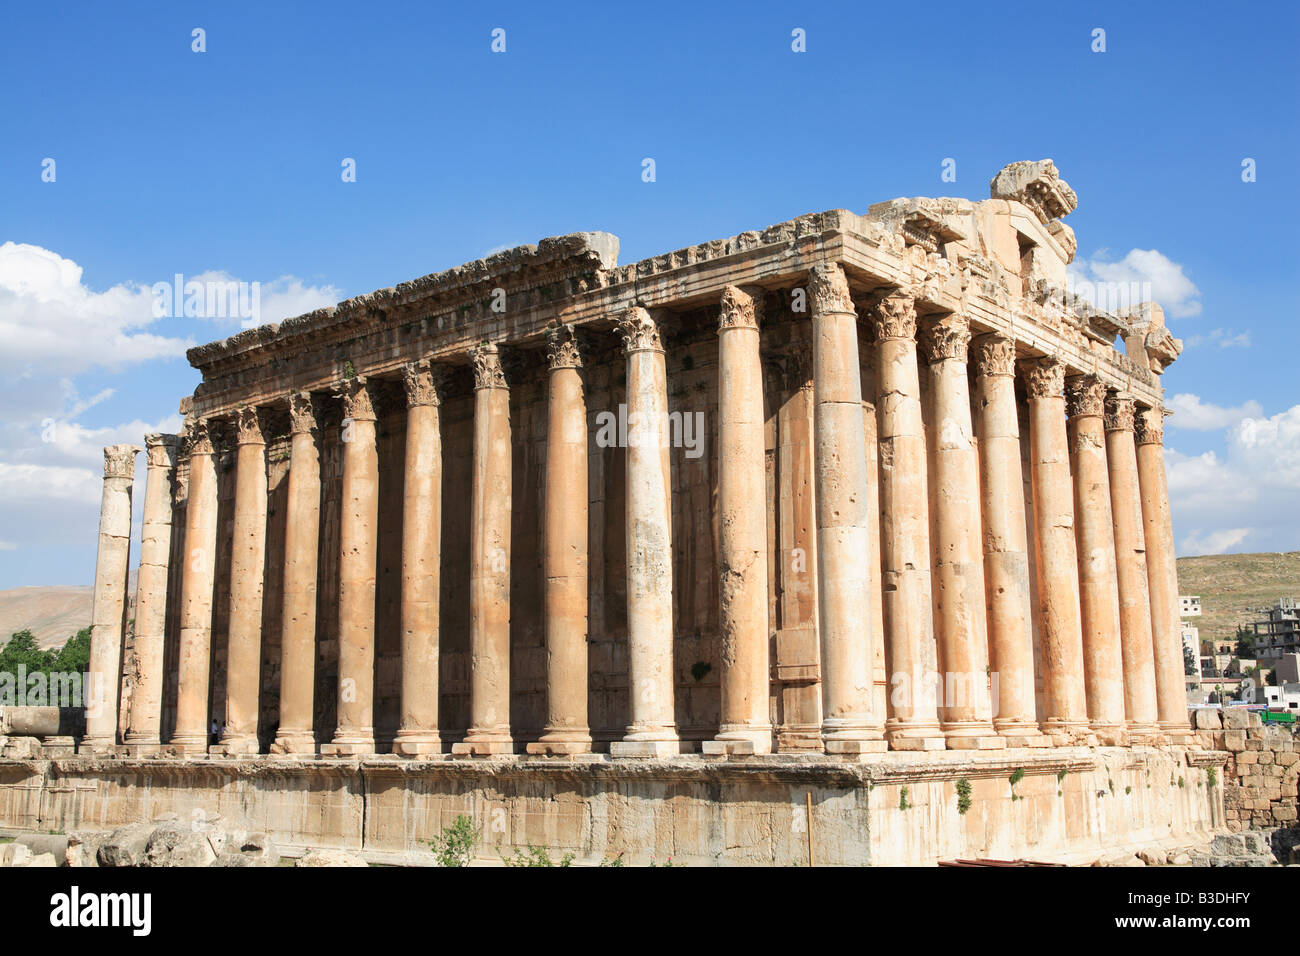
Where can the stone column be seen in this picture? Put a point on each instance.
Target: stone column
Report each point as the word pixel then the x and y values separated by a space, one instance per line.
pixel 905 530
pixel 359 544
pixel 653 730
pixel 564 554
pixel 108 614
pixel 197 582
pixel 1162 575
pixel 247 563
pixel 295 735
pixel 421 562
pixel 965 707
pixel 143 734
pixel 745 725
pixel 1131 572
pixel 1064 699
pixel 843 548
pixel 489 573
pixel 1103 664
pixel 1006 548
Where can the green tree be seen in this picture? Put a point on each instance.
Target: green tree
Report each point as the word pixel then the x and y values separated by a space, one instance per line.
pixel 74 656
pixel 1245 643
pixel 1189 660
pixel 22 651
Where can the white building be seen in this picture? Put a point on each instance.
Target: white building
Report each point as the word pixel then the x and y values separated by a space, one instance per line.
pixel 1189 605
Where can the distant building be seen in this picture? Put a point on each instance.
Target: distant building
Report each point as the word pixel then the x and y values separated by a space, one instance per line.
pixel 1278 632
pixel 1189 605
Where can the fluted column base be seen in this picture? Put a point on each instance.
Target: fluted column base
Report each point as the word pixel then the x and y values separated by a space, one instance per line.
pixel 352 745
pixel 558 743
pixel 294 744
pixel 241 746
pixel 190 745
pixel 1021 733
pixel 417 743
pixel 1069 733
pixel 484 743
pixel 739 740
pixel 972 735
pixel 905 735
pixel 142 745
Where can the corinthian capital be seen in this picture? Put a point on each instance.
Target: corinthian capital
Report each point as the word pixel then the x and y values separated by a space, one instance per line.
pixel 1085 395
pixel 119 461
pixel 1119 413
pixel 1044 377
pixel 355 394
pixel 562 347
pixel 424 382
pixel 248 426
pixel 829 289
pixel 198 436
pixel 894 317
pixel 946 338
pixel 302 415
pixel 161 449
pixel 1150 426
pixel 740 308
pixel 488 371
pixel 995 355
pixel 639 331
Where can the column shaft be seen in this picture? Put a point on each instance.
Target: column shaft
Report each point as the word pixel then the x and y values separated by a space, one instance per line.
pixel 197 582
pixel 1131 572
pixel 905 531
pixel 108 613
pixel 1095 541
pixel 359 543
pixel 652 731
pixel 295 735
pixel 1162 574
pixel 1006 547
pixel 745 725
pixel 564 554
pixel 143 736
pixel 489 610
pixel 247 565
pixel 966 708
pixel 421 559
pixel 1064 698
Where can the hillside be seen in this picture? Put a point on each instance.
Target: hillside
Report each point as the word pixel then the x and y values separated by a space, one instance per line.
pixel 52 614
pixel 1229 583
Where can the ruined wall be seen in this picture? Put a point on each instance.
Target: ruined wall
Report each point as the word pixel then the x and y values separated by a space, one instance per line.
pixel 1261 779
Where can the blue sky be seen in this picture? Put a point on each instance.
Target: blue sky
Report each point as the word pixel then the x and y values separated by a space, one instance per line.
pixel 228 161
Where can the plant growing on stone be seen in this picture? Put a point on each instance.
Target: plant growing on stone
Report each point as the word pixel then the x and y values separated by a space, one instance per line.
pixel 963 796
pixel 902 799
pixel 1212 775
pixel 1016 777
pixel 535 856
pixel 455 845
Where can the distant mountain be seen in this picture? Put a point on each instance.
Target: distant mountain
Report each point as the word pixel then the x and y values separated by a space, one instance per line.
pixel 1230 583
pixel 53 614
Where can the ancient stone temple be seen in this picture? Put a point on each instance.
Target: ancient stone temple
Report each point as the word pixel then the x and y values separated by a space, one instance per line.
pixel 796 509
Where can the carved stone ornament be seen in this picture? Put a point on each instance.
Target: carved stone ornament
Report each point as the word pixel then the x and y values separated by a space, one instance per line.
pixel 119 461
pixel 639 331
pixel 1119 413
pixel 1085 395
pixel 894 317
pixel 740 308
pixel 161 449
pixel 488 371
pixel 1044 377
pixel 946 338
pixel 828 288
pixel 562 349
pixel 302 415
pixel 995 355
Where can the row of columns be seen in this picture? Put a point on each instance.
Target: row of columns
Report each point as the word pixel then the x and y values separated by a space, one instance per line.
pixel 954 554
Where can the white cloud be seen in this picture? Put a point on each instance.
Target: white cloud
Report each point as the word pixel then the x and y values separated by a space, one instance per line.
pixel 1142 275
pixel 1195 415
pixel 1248 494
pixel 223 298
pixel 52 324
pixel 1223 338
pixel 1216 542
